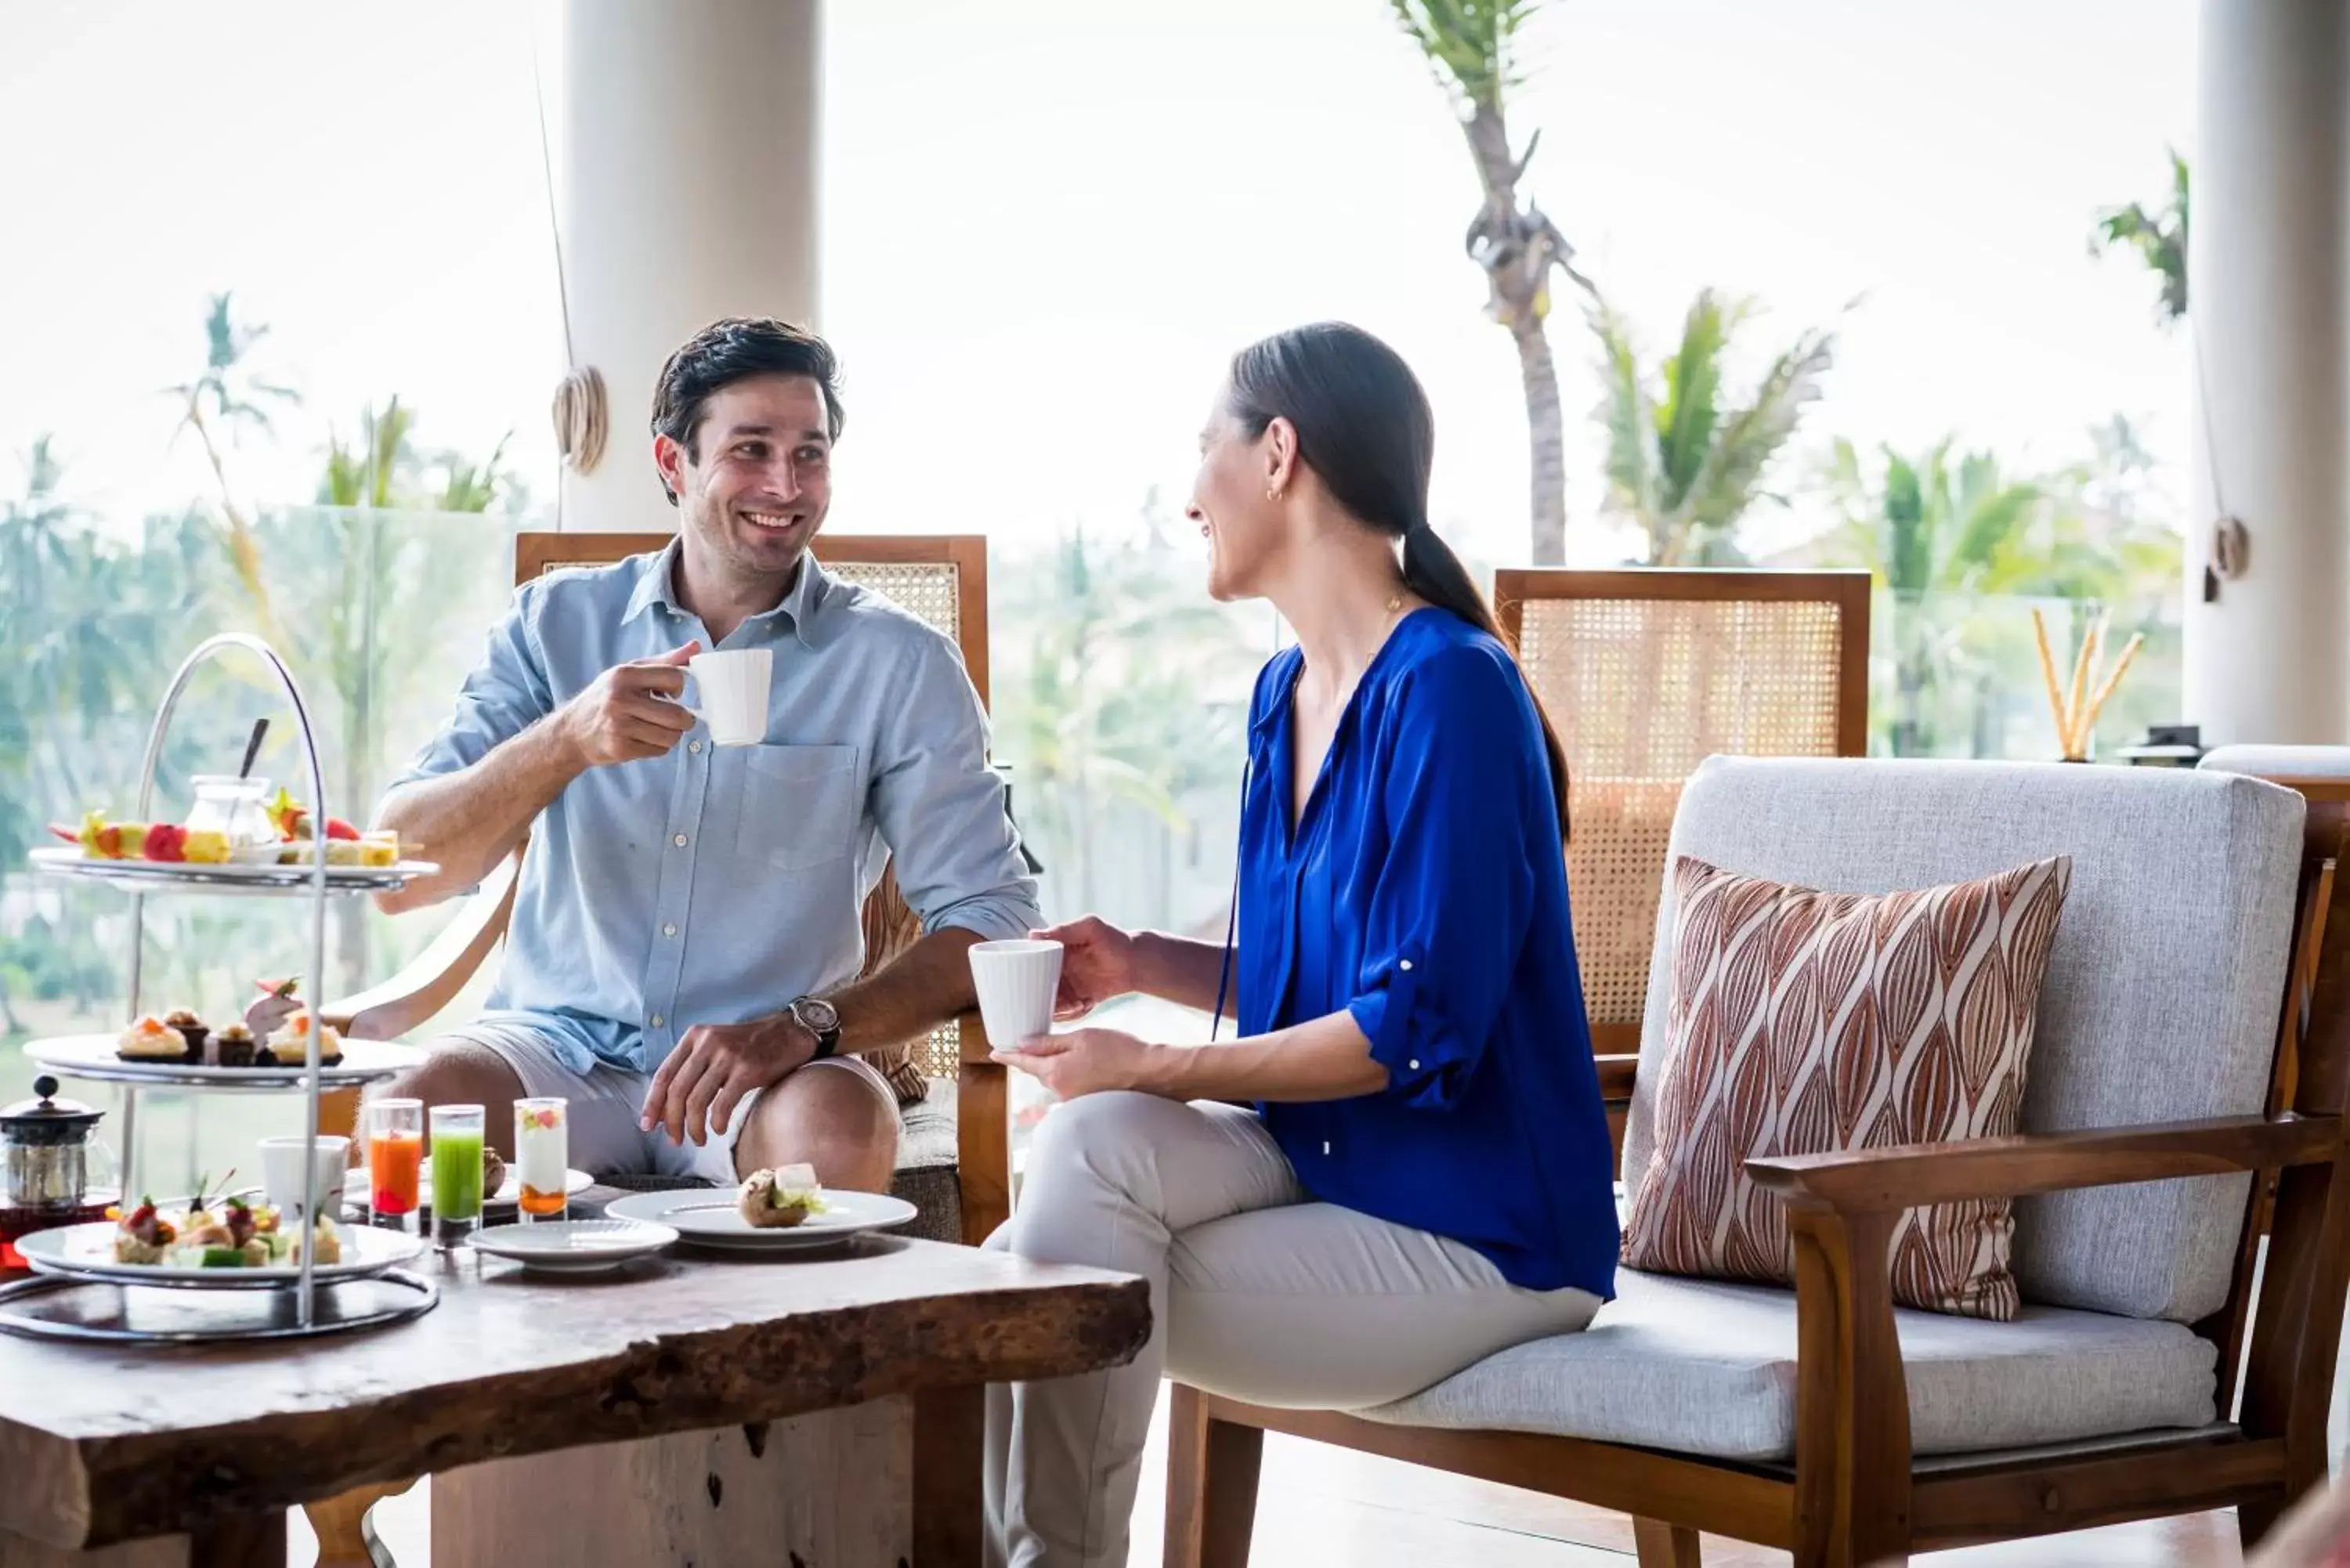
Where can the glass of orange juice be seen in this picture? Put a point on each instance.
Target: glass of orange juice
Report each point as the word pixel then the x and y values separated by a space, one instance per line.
pixel 395 1154
pixel 542 1158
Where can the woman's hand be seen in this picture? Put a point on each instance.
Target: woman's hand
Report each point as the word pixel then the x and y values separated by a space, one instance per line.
pixel 1086 1061
pixel 1096 963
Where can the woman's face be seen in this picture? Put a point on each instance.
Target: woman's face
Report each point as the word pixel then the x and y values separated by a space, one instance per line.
pixel 1245 526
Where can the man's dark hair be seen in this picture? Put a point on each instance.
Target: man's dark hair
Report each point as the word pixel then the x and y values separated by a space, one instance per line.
pixel 738 349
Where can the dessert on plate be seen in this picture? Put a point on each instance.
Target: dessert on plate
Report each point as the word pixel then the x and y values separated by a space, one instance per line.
pixel 289 1045
pixel 779 1199
pixel 191 1029
pixel 225 1233
pixel 149 1039
pixel 233 1045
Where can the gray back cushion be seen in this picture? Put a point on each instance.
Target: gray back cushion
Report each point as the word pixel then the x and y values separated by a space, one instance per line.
pixel 2162 997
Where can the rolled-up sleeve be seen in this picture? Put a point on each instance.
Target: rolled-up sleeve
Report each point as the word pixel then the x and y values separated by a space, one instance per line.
pixel 1453 899
pixel 941 808
pixel 506 693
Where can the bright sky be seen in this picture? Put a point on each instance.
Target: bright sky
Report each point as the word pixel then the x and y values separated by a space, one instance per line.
pixel 1048 223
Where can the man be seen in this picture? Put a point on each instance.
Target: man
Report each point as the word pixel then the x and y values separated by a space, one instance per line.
pixel 687 926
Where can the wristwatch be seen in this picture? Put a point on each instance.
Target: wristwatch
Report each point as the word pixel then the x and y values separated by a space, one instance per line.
pixel 821 1019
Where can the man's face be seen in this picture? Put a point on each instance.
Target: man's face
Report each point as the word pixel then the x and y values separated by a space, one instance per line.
pixel 756 485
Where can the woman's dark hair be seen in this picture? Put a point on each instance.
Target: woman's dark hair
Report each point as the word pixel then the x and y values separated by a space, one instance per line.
pixel 1365 426
pixel 737 348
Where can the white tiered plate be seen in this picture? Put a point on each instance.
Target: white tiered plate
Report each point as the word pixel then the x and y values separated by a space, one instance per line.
pixel 87 1253
pixel 266 879
pixel 573 1246
pixel 91 1058
pixel 709 1217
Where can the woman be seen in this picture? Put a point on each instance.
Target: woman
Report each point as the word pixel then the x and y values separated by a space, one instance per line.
pixel 1424 1179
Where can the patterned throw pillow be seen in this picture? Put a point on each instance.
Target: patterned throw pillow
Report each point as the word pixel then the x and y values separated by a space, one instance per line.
pixel 1810 1022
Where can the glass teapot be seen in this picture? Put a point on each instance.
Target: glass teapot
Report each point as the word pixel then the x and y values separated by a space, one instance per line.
pixel 51 1154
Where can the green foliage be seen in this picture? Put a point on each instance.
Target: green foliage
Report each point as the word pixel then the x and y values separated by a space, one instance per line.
pixel 1686 459
pixel 2156 238
pixel 1472 44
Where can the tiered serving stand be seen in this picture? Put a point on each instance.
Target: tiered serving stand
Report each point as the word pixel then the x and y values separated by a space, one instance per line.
pixel 84 1298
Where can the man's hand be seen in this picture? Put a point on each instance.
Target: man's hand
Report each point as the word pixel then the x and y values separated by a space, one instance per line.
pixel 624 717
pixel 698 1088
pixel 1096 963
pixel 1086 1061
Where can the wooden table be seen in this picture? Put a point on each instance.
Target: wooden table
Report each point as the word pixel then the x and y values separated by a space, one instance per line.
pixel 697 1408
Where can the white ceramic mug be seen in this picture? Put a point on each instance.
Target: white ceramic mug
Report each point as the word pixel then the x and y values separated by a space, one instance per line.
pixel 1016 981
pixel 281 1173
pixel 733 685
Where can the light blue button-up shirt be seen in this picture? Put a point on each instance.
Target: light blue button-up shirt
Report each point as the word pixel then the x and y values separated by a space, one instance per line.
pixel 718 883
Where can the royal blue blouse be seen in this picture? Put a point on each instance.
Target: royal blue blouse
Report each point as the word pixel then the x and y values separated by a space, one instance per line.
pixel 1424 892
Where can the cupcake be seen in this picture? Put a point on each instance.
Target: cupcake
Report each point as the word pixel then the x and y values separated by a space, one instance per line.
pixel 151 1039
pixel 233 1045
pixel 290 1043
pixel 191 1029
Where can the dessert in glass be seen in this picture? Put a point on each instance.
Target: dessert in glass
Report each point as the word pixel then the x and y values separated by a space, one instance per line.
pixel 456 1173
pixel 395 1160
pixel 542 1158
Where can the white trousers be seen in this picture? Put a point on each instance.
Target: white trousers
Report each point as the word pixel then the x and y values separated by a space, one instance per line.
pixel 1256 1292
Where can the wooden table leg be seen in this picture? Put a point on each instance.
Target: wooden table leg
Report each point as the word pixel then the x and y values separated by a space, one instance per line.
pixel 835 1488
pixel 254 1542
pixel 949 1507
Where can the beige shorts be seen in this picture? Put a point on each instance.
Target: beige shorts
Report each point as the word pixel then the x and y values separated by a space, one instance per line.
pixel 606 1101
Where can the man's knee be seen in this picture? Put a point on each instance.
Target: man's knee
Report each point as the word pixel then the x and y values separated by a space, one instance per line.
pixel 460 1072
pixel 830 1118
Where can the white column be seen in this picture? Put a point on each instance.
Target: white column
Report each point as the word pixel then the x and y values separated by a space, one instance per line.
pixel 687 168
pixel 2268 302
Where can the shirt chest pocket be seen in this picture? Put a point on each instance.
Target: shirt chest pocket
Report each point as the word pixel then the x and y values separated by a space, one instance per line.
pixel 801 806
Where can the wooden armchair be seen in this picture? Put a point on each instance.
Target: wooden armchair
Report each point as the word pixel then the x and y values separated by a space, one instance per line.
pixel 954 1157
pixel 2187 1095
pixel 954 1162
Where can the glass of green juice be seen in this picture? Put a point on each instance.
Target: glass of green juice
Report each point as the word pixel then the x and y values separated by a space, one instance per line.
pixel 456 1173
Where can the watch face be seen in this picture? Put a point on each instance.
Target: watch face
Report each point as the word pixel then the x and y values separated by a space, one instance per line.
pixel 817 1013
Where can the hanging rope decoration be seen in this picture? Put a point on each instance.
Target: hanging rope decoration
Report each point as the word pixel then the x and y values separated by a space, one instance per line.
pixel 579 418
pixel 2228 547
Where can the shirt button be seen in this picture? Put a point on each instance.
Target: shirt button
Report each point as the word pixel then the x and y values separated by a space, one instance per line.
pixel 1414 1066
pixel 679 841
pixel 656 1021
pixel 671 930
pixel 694 746
pixel 1325 1146
pixel 1405 965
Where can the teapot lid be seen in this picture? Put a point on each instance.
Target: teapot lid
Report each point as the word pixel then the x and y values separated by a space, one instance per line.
pixel 46 1120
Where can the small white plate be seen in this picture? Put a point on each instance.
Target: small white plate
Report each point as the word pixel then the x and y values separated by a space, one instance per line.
pixel 574 1246
pixel 355 1185
pixel 93 1055
pixel 708 1218
pixel 86 1252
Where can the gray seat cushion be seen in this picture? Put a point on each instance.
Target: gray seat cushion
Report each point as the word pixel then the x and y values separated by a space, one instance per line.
pixel 1702 1366
pixel 2162 993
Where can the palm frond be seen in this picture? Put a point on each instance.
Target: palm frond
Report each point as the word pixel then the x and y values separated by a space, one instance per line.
pixel 1472 43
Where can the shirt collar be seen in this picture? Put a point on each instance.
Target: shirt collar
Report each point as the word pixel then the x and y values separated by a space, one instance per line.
pixel 657 586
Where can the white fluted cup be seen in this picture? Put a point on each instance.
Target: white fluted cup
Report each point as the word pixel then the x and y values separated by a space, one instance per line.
pixel 732 687
pixel 281 1174
pixel 1016 981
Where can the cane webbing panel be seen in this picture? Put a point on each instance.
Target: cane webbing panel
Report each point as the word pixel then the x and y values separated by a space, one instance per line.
pixel 1642 691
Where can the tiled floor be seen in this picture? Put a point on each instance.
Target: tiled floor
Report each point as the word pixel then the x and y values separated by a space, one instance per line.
pixel 1320 1507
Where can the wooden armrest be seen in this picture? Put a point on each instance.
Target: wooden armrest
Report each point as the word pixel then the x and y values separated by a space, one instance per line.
pixel 388 1011
pixel 1616 1076
pixel 1876 1179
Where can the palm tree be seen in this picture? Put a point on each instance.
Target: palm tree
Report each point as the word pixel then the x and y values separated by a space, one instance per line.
pixel 221 402
pixel 2160 239
pixel 1473 44
pixel 1926 526
pixel 1684 461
